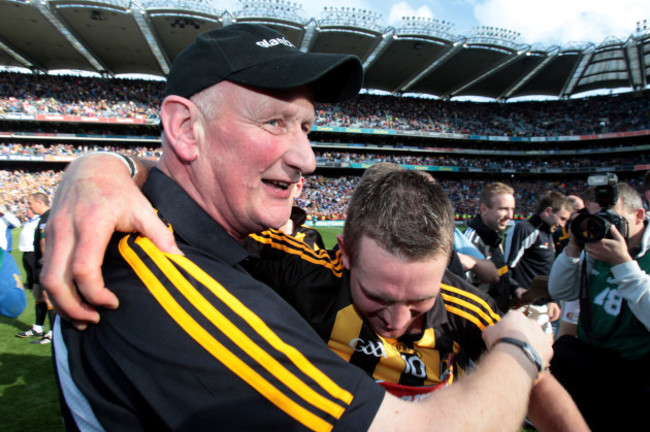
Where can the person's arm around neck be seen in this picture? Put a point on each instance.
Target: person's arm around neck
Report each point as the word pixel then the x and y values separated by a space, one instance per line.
pixel 95 198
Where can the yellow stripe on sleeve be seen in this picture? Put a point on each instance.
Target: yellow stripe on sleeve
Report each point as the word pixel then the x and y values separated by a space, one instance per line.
pixel 468 316
pixel 485 306
pixel 238 337
pixel 321 257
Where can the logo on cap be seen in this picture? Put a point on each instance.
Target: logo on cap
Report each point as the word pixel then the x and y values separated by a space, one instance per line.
pixel 273 42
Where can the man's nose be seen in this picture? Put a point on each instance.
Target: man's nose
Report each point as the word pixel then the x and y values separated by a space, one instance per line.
pixel 400 316
pixel 300 155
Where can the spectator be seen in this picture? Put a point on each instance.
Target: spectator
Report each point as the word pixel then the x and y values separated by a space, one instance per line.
pixel 7 222
pixel 26 246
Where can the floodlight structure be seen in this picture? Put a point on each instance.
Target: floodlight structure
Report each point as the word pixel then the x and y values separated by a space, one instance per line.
pixel 351 17
pixel 426 26
pixel 192 6
pixel 277 9
pixel 494 36
pixel 120 4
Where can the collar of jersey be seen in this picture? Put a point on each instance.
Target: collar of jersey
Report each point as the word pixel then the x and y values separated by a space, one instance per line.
pixel 189 221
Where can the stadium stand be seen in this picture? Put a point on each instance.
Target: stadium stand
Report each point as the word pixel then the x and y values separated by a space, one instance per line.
pixel 46 121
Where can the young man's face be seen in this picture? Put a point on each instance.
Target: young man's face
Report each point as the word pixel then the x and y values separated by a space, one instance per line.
pixel 500 213
pixel 556 220
pixel 391 293
pixel 252 156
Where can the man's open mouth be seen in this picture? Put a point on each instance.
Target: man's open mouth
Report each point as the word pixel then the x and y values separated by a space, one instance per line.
pixel 278 184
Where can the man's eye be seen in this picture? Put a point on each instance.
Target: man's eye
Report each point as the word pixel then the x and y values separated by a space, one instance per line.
pixel 381 301
pixel 274 122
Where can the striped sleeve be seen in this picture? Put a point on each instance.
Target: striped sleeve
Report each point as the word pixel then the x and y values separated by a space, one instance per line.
pixel 469 306
pixel 274 364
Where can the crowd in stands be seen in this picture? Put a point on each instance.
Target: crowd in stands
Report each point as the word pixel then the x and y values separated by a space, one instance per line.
pixel 16 185
pixel 323 157
pixel 520 163
pixel 102 97
pixel 324 198
pixel 20 149
pixel 585 116
pixel 79 96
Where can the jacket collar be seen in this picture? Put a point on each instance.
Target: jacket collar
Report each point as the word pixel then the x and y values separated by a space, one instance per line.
pixel 536 221
pixel 189 221
pixel 489 236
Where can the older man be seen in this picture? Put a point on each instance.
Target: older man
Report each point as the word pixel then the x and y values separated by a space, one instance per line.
pixel 197 342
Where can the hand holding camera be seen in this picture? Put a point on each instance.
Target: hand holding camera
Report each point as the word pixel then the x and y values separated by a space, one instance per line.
pixel 611 250
pixel 589 228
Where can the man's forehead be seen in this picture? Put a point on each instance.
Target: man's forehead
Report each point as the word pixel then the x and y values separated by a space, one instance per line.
pixel 503 199
pixel 396 278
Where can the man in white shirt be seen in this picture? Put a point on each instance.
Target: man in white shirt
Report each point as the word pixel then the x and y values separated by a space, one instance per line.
pixel 26 246
pixel 7 222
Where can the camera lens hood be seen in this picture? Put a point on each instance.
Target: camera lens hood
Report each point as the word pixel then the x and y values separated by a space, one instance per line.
pixel 589 228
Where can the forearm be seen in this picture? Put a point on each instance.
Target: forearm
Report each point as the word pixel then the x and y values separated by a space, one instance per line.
pixel 552 409
pixel 634 286
pixel 486 271
pixel 564 280
pixel 11 220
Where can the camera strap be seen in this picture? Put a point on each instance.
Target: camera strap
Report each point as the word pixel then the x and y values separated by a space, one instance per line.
pixel 585 304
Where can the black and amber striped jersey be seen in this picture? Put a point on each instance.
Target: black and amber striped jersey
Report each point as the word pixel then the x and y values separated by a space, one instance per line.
pixel 317 285
pixel 198 344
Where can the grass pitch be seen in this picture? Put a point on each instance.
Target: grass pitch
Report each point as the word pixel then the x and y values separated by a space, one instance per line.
pixel 29 400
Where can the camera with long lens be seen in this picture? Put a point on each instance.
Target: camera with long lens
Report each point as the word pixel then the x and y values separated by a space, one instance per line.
pixel 588 228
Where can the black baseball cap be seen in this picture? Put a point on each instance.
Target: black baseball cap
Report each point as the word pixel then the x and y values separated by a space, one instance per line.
pixel 257 56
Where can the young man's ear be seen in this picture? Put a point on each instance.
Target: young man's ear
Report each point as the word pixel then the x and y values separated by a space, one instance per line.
pixel 344 252
pixel 183 127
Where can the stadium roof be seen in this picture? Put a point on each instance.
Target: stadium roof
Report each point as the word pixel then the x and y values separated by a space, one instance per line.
pixel 417 56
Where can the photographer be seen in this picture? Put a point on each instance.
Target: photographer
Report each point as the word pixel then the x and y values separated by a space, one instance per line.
pixel 605 369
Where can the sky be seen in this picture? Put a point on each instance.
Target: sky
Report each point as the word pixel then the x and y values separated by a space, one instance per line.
pixel 548 22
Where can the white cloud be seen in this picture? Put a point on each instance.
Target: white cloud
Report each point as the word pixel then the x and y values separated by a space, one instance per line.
pixel 561 21
pixel 403 9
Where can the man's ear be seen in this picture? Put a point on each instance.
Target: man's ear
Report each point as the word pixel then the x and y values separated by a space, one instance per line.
pixel 639 215
pixel 344 252
pixel 183 127
pixel 299 186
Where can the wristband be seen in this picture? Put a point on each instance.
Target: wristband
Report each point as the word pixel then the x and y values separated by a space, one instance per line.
pixel 133 169
pixel 530 352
